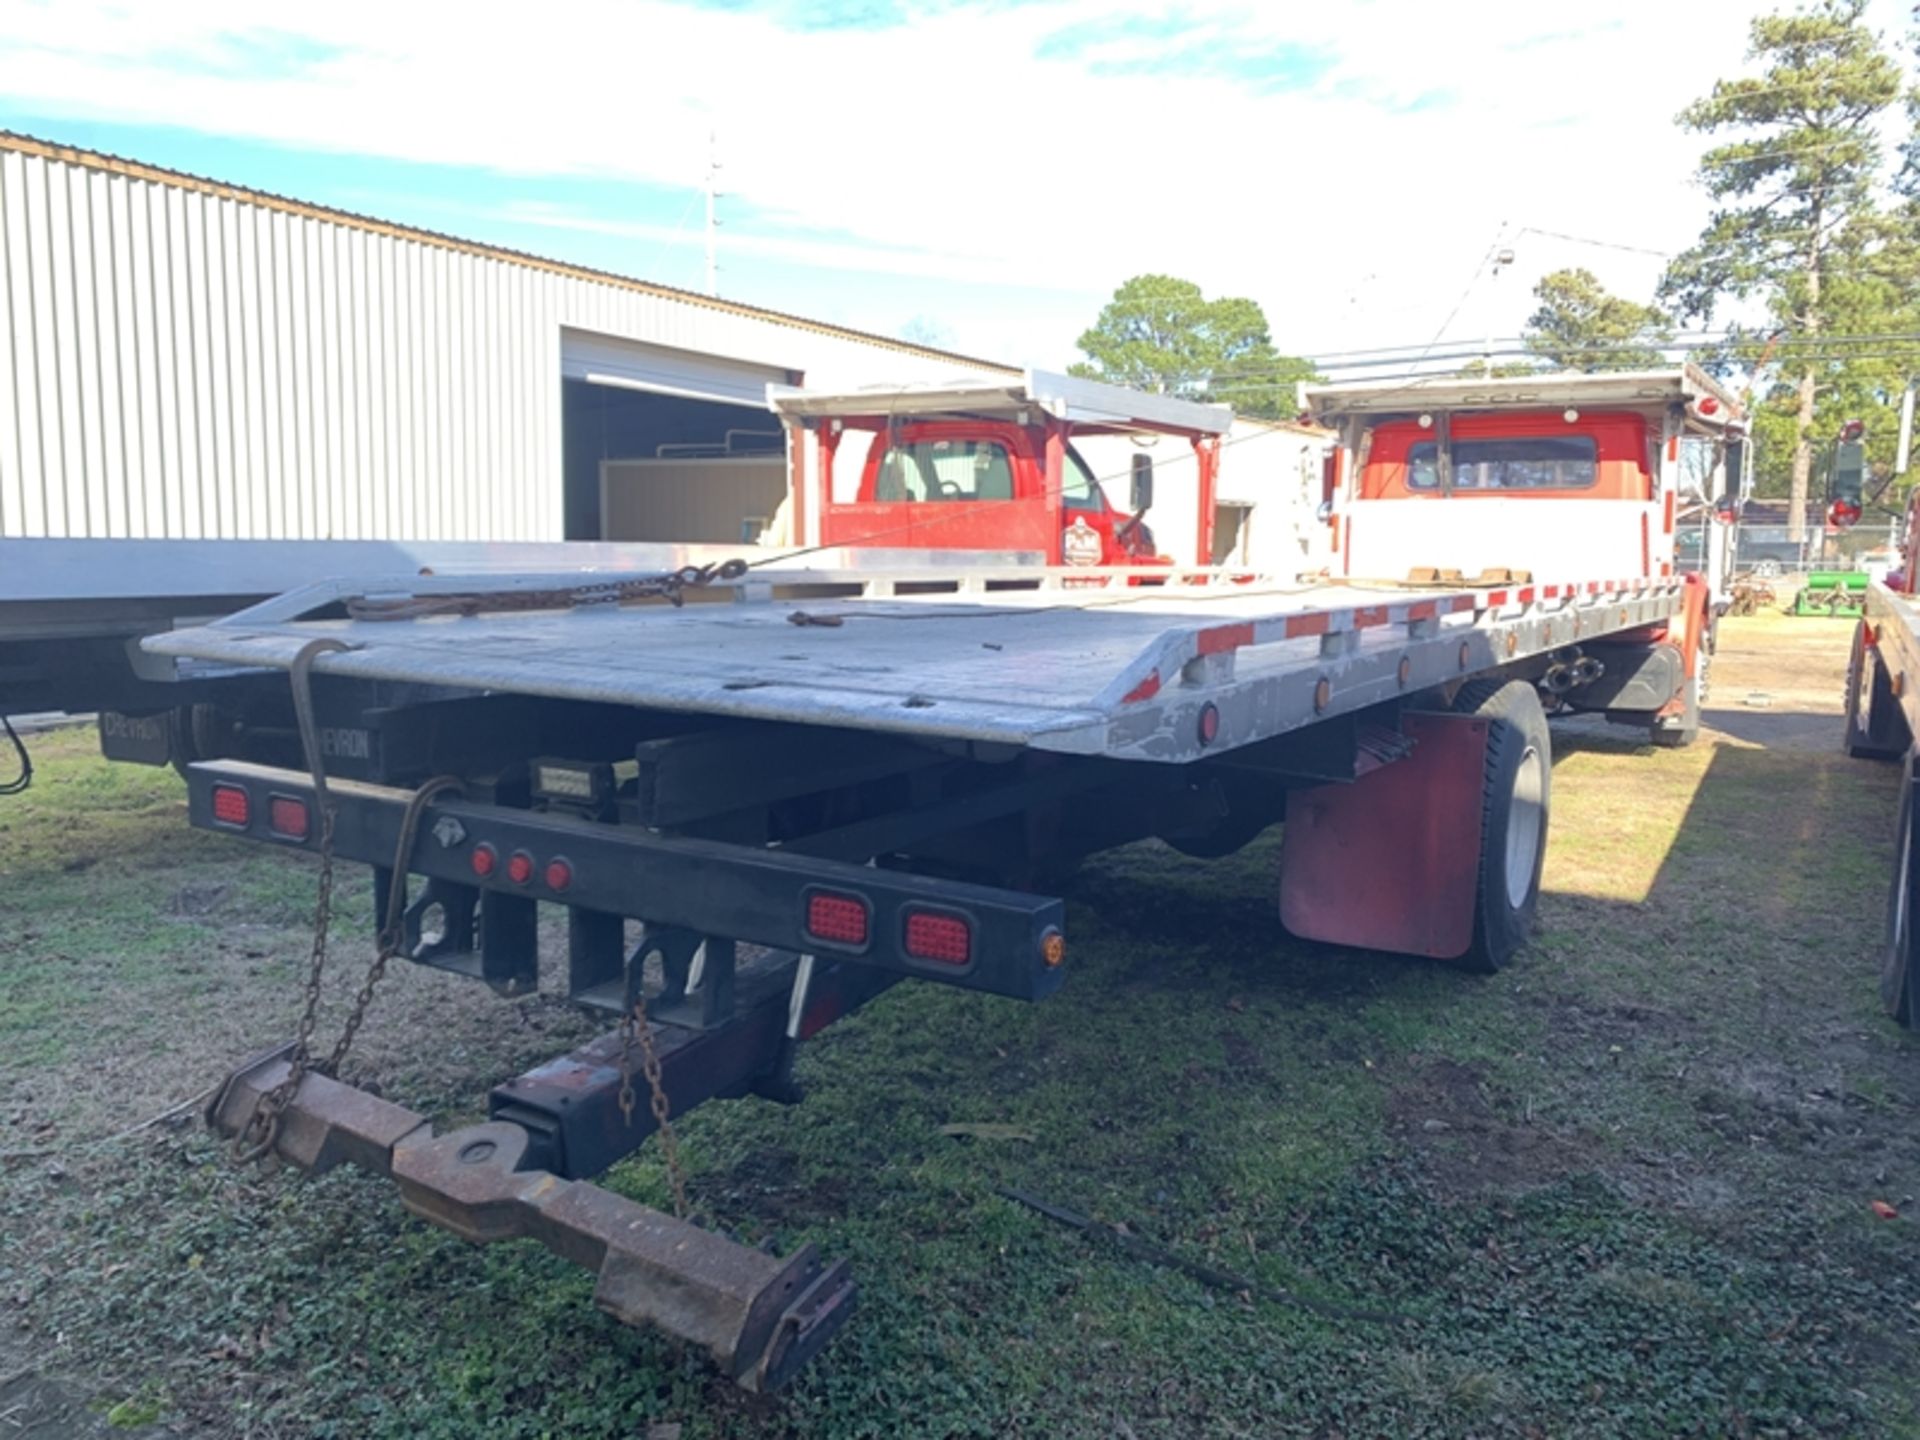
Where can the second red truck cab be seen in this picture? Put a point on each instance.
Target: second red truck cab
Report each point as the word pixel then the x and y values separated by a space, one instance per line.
pixel 991 466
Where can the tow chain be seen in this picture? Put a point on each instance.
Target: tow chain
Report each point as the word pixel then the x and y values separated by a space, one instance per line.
pixel 634 1028
pixel 670 586
pixel 262 1130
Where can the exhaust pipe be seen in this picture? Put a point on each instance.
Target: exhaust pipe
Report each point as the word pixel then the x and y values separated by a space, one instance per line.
pixel 1558 679
pixel 1587 670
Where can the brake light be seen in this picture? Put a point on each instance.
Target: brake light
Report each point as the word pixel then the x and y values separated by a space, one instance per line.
pixel 231 806
pixel 559 875
pixel 838 919
pixel 935 936
pixel 484 859
pixel 520 867
pixel 287 817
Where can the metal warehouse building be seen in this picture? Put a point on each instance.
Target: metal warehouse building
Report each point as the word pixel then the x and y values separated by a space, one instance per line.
pixel 185 359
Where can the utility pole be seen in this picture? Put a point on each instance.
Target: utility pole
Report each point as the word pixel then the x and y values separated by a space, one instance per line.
pixel 1906 433
pixel 1502 257
pixel 713 221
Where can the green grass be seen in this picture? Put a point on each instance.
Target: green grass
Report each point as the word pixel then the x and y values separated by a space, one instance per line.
pixel 1619 1190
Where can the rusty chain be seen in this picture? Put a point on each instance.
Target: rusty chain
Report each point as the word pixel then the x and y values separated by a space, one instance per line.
pixel 634 1028
pixel 670 586
pixel 258 1136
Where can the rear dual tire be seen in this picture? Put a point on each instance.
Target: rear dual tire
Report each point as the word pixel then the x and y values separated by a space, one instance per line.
pixel 1899 963
pixel 1516 794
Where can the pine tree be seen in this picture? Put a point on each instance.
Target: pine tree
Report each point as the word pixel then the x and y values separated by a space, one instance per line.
pixel 1162 334
pixel 1795 223
pixel 1581 325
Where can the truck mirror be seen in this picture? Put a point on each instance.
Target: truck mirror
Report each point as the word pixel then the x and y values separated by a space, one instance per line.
pixel 1849 474
pixel 1847 480
pixel 1140 496
pixel 1736 465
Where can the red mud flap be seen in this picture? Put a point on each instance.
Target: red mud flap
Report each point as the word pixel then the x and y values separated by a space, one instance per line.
pixel 760 1317
pixel 1391 861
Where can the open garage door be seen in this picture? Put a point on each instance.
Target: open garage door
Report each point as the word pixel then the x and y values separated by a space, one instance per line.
pixel 665 444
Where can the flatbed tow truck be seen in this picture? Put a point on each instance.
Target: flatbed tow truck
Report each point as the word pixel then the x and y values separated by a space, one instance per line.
pixel 762 794
pixel 1882 721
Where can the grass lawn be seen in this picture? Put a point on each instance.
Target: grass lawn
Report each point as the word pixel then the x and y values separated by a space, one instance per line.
pixel 1622 1189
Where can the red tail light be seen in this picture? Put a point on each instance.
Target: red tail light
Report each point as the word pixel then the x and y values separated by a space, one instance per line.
pixel 484 859
pixel 936 936
pixel 287 817
pixel 520 867
pixel 837 919
pixel 231 806
pixel 559 875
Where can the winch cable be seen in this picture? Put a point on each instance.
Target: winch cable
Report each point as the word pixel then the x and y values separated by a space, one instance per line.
pixel 20 783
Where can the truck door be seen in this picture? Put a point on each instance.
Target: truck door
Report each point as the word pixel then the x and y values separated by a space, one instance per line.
pixel 1089 527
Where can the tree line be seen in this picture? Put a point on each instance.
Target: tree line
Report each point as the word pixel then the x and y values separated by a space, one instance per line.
pixel 1803 289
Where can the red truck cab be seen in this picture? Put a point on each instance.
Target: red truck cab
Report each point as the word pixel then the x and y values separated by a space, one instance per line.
pixel 986 485
pixel 990 466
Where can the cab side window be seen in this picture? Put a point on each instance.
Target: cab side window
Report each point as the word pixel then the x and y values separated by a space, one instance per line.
pixel 1078 489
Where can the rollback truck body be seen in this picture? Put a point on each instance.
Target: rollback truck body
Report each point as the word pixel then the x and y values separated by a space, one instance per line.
pixel 761 796
pixel 1882 719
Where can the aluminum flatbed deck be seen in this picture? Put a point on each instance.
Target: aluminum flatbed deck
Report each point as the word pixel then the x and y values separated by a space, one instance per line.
pixel 1077 662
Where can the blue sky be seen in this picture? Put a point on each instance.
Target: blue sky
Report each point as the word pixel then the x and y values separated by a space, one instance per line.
pixel 977 174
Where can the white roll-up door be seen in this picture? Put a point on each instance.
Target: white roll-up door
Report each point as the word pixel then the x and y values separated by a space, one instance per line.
pixel 627 364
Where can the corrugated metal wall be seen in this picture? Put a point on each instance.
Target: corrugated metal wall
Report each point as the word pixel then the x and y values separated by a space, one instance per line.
pixel 179 363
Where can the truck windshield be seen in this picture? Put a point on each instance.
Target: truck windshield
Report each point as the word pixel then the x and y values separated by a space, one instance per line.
pixel 1544 462
pixel 945 470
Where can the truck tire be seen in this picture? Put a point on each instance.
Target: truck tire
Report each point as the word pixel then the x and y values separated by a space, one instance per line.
pixel 1899 963
pixel 1876 727
pixel 1515 802
pixel 1678 737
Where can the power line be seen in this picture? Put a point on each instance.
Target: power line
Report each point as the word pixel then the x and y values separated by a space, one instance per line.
pixel 1597 244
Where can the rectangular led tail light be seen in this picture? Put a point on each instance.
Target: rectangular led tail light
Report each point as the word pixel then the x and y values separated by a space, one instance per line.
pixel 843 920
pixel 939 936
pixel 231 806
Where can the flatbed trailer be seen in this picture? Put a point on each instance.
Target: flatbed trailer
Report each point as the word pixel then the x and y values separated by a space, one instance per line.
pixel 804 786
pixel 1882 719
pixel 73 614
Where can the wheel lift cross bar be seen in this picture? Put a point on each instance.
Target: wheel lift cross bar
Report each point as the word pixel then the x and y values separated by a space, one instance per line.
pixel 761 1318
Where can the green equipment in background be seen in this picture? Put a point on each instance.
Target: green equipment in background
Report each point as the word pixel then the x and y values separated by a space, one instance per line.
pixel 1832 592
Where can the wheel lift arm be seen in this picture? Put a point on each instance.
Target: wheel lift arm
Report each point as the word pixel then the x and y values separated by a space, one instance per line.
pixel 761 1318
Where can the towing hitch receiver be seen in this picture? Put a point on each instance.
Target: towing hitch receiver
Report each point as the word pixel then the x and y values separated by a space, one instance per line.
pixel 760 1317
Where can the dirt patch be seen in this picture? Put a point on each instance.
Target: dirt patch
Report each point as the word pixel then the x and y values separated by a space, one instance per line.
pixel 769 1184
pixel 1445 1113
pixel 198 900
pixel 34 1407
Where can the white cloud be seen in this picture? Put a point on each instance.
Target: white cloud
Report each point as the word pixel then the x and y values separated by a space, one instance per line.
pixel 1353 206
